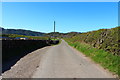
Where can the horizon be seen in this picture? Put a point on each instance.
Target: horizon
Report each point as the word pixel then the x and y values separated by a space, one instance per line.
pixel 61 32
pixel 69 16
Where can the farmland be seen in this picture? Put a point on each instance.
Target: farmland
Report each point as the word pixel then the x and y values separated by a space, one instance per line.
pixel 29 37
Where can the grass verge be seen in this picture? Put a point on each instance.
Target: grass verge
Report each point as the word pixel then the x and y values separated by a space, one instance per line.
pixel 105 59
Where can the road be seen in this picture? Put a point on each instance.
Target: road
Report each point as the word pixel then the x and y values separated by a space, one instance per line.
pixel 63 61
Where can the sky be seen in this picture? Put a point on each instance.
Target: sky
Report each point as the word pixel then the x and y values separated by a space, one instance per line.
pixel 60 0
pixel 69 16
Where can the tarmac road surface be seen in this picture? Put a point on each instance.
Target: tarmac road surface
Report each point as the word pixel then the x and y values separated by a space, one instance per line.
pixel 63 61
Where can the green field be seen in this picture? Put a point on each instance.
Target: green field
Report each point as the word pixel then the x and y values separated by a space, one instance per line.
pixel 30 37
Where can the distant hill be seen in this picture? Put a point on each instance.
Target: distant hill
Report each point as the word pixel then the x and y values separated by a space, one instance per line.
pixel 21 32
pixel 34 33
pixel 57 34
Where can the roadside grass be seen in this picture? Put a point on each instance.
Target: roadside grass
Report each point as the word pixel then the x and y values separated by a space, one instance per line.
pixel 105 59
pixel 59 41
pixel 54 39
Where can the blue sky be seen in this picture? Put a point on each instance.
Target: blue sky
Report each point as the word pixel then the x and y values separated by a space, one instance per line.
pixel 69 16
pixel 60 0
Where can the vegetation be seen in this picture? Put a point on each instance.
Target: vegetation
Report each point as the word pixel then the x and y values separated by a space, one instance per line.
pixel 33 33
pixel 54 39
pixel 107 60
pixel 101 46
pixel 21 32
pixel 30 37
pixel 61 35
pixel 106 39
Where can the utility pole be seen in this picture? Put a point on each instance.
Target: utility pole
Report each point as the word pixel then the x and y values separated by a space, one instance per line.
pixel 54 29
pixel 54 26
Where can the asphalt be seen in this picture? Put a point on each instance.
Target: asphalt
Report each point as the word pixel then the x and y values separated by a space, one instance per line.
pixel 63 61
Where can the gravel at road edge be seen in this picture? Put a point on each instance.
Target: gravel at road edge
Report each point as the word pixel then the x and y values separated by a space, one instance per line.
pixel 27 65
